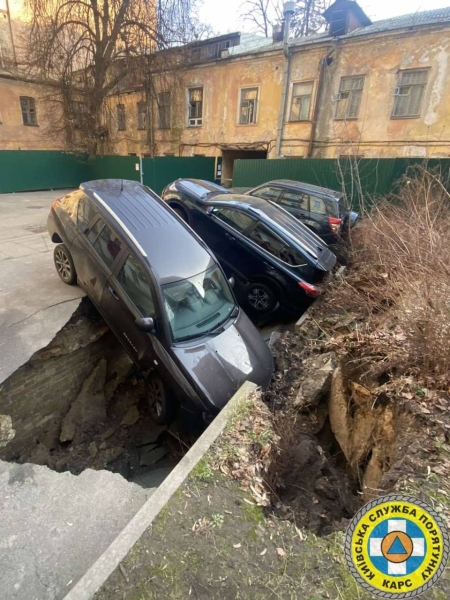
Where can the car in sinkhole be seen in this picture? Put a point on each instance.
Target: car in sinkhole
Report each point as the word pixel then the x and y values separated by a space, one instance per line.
pixel 161 291
pixel 274 259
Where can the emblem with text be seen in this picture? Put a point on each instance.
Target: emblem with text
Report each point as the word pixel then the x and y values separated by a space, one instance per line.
pixel 397 547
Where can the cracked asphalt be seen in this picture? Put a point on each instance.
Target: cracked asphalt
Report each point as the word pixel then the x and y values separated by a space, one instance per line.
pixel 34 303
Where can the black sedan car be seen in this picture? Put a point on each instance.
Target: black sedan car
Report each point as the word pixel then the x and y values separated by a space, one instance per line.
pixel 161 291
pixel 323 210
pixel 273 258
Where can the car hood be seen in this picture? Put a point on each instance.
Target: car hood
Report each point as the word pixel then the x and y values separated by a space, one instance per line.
pixel 220 365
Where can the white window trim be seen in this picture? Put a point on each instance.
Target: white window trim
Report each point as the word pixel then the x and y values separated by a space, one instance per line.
pixel 291 97
pixel 250 86
pixel 193 87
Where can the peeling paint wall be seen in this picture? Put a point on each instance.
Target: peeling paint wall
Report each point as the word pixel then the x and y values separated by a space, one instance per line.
pixel 14 135
pixel 375 133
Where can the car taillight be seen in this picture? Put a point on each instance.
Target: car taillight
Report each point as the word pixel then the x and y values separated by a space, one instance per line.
pixel 335 225
pixel 311 290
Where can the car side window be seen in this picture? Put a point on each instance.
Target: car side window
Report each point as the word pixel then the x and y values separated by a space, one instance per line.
pixel 70 203
pixel 269 193
pixel 136 284
pixel 86 212
pixel 234 218
pixel 105 242
pixel 295 200
pixel 318 205
pixel 262 236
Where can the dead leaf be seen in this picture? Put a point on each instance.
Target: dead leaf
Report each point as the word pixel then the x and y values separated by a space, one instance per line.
pixel 281 552
pixel 237 546
pixel 263 552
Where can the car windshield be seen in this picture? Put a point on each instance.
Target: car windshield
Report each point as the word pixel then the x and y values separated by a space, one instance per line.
pixel 198 305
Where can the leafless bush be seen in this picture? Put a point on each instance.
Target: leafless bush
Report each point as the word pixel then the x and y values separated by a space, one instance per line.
pixel 401 258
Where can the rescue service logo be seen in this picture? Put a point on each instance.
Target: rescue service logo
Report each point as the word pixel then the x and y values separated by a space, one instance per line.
pixel 397 547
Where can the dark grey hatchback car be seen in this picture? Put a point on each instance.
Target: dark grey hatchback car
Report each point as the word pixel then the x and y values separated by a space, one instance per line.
pixel 161 291
pixel 323 210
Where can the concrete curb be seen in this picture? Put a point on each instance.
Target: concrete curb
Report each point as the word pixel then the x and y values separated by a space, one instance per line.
pixel 96 576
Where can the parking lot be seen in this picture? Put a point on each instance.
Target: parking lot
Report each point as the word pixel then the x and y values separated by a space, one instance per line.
pixel 33 303
pixel 41 504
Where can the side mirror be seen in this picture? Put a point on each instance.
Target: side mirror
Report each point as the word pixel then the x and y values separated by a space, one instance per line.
pixel 231 282
pixel 209 210
pixel 146 324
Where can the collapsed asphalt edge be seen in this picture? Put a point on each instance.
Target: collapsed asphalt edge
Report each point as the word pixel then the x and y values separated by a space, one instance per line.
pixel 96 576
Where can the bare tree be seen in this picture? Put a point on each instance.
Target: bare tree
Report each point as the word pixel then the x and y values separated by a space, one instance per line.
pixel 262 15
pixel 89 47
pixel 308 17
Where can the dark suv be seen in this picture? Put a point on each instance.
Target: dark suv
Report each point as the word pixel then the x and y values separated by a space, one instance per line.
pixel 323 210
pixel 273 258
pixel 162 293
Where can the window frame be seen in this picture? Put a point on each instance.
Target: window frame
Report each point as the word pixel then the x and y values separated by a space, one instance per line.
pixel 293 97
pixel 249 227
pixel 196 121
pixel 398 86
pixel 351 92
pixel 126 252
pixel 256 110
pixel 267 187
pixel 141 125
pixel 166 122
pixel 299 206
pixel 111 266
pixel 84 199
pixel 121 117
pixel 30 111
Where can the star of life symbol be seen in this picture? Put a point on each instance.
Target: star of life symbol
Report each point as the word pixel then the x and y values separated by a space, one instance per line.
pixel 397 547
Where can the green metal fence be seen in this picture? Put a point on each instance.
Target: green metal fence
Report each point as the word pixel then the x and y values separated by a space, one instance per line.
pixel 22 171
pixel 362 180
pixel 42 170
pixel 161 170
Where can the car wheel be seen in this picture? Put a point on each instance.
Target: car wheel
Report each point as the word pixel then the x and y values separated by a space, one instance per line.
pixel 64 265
pixel 261 298
pixel 180 212
pixel 160 402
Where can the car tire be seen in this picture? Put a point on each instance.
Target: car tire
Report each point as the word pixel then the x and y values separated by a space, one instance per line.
pixel 180 212
pixel 161 403
pixel 261 298
pixel 64 265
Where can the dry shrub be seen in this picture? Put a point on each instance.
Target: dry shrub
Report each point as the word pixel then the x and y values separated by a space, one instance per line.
pixel 401 260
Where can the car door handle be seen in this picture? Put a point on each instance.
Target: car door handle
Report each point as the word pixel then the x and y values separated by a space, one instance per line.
pixel 230 237
pixel 113 293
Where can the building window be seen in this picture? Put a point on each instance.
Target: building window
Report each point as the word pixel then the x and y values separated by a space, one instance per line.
pixel 121 117
pixel 248 106
pixel 28 106
pixel 409 93
pixel 164 110
pixel 349 97
pixel 79 111
pixel 142 115
pixel 195 107
pixel 301 101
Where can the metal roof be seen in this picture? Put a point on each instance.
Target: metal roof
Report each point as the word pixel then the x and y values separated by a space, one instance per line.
pixel 151 228
pixel 251 44
pixel 426 17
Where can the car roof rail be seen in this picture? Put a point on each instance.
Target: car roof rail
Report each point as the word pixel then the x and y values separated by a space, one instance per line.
pixel 120 222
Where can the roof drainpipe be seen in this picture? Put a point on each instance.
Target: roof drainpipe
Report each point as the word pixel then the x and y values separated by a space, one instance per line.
pixel 288 11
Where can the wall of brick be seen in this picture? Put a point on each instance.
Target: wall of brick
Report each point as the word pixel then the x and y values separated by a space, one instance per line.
pixel 39 394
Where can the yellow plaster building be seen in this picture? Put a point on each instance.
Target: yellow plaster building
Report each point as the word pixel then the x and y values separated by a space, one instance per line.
pixel 361 89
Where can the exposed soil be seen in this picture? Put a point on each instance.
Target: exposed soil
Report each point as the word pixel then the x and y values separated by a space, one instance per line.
pixel 361 436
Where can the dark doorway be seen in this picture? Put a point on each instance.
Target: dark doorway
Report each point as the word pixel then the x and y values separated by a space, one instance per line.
pixel 228 158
